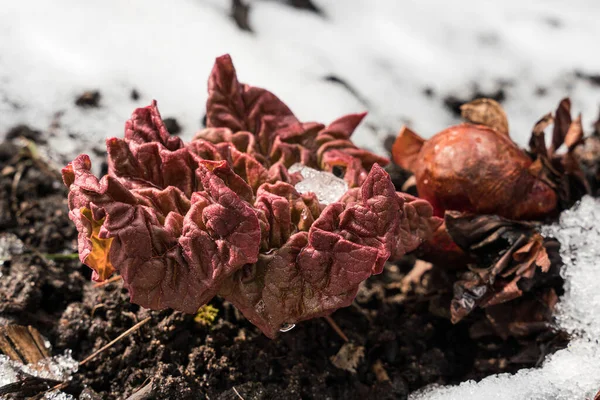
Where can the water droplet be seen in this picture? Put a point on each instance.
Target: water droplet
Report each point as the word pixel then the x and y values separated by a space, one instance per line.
pixel 286 327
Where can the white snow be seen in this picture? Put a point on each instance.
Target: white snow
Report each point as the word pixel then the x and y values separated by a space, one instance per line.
pixel 325 185
pixel 57 395
pixel 574 372
pixel 58 368
pixel 389 51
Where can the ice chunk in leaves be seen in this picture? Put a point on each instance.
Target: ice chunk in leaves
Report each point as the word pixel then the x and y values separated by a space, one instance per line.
pixel 325 185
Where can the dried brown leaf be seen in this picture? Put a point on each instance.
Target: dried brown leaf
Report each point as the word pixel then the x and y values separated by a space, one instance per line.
pixel 413 278
pixel 563 173
pixel 537 142
pixel 524 318
pixel 508 253
pixel 406 148
pixel 22 343
pixel 486 112
pixel 562 122
pixel 348 357
pixel 574 135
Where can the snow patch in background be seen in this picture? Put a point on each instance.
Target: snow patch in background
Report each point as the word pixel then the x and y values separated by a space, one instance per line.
pixel 574 372
pixel 389 52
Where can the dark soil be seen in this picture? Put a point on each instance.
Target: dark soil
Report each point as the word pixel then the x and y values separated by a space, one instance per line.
pixel 174 357
pixel 453 103
pixel 172 126
pixel 89 99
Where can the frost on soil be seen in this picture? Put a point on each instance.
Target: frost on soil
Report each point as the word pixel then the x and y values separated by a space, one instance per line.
pixel 572 373
pixel 325 185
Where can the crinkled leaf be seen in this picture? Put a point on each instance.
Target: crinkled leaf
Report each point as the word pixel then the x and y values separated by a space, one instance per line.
pixel 173 260
pixel 315 273
pixel 240 107
pixel 259 124
pixel 183 222
pixel 286 211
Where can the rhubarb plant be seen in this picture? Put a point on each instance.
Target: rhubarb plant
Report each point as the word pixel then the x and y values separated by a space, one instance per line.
pixel 220 215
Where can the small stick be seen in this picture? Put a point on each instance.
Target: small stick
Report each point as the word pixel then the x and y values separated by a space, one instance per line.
pixel 107 282
pixel 59 386
pixel 111 343
pixel 237 393
pixel 336 328
pixel 15 186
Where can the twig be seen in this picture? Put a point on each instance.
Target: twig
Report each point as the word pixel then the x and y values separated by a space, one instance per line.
pixel 15 186
pixel 97 307
pixel 59 386
pixel 336 328
pixel 107 282
pixel 110 344
pixel 237 393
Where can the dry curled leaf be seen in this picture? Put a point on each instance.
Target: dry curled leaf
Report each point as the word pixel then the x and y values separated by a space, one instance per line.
pixel 508 254
pixel 587 155
pixel 562 123
pixel 562 172
pixel 574 135
pixel 486 112
pixel 406 148
pixel 525 317
pixel 348 357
